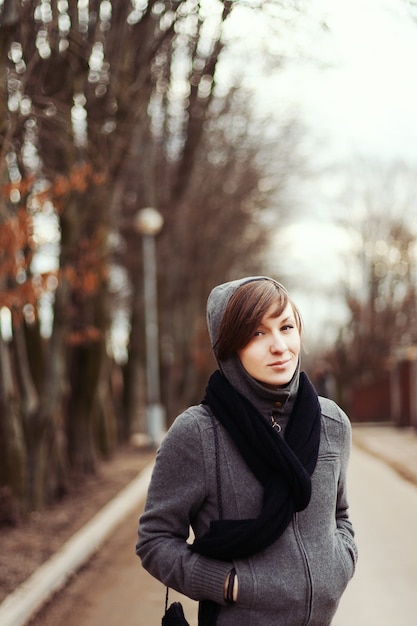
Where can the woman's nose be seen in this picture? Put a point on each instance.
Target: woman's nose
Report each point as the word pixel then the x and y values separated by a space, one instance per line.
pixel 278 344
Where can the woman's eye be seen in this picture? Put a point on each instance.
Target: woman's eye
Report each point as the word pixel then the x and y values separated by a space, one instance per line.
pixel 258 333
pixel 287 327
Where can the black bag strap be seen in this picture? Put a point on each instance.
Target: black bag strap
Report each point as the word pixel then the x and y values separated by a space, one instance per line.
pixel 217 457
pixel 208 611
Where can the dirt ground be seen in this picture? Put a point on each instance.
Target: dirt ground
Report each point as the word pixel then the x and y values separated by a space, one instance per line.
pixel 25 547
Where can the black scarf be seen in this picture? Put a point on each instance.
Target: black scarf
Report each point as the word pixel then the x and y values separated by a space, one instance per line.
pixel 282 465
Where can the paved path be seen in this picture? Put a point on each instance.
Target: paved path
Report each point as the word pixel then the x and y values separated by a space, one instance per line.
pixel 384 512
pixel 114 589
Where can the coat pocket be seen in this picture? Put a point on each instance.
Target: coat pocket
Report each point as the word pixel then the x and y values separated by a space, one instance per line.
pixel 344 564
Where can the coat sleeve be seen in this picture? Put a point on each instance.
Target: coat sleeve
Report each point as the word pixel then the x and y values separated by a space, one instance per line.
pixel 177 493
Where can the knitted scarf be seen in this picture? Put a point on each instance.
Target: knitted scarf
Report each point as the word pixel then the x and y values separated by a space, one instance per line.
pixel 282 465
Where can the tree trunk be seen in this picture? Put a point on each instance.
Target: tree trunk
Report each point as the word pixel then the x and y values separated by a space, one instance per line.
pixel 13 457
pixel 106 420
pixel 84 376
pixel 48 455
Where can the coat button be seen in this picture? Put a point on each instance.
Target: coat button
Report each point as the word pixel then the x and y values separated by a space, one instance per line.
pixel 277 405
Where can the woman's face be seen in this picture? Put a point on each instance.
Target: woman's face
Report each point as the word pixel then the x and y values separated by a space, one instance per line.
pixel 271 356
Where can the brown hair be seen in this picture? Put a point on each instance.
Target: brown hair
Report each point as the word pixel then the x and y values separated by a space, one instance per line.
pixel 244 312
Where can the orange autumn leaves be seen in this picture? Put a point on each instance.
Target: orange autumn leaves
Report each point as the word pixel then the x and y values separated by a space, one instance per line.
pixel 19 285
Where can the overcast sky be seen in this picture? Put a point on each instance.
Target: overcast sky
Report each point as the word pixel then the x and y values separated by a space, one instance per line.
pixel 359 104
pixel 367 103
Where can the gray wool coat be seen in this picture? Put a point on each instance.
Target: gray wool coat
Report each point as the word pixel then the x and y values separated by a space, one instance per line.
pixel 298 580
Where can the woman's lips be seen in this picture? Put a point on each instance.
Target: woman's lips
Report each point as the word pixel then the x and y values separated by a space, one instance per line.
pixel 279 363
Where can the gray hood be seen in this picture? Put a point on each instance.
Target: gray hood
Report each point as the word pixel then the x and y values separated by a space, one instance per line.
pixel 219 299
pixel 279 401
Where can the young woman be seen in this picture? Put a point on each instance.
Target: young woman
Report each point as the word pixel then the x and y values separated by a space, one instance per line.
pixel 258 471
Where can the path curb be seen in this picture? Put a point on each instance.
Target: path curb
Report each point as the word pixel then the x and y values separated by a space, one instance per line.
pixel 27 599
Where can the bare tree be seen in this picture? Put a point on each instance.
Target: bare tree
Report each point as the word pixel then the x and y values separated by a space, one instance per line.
pixel 112 107
pixel 381 285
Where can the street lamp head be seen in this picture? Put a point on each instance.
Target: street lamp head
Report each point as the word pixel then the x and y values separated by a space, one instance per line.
pixel 148 221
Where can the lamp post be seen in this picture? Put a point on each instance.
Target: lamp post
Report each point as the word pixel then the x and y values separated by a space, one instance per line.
pixel 149 222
